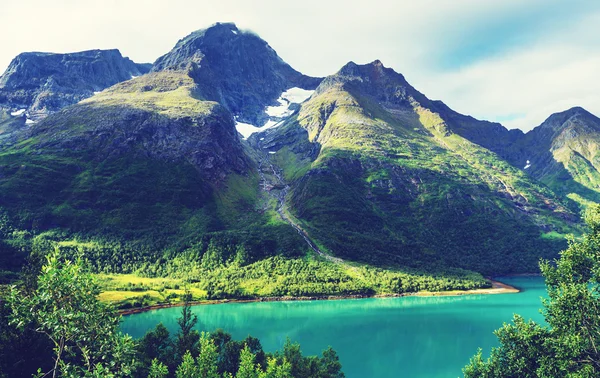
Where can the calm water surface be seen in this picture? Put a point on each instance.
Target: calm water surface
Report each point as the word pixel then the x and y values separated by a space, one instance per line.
pixel 383 337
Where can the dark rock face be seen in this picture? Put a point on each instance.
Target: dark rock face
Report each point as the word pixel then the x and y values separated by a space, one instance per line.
pixel 235 68
pixel 206 141
pixel 44 83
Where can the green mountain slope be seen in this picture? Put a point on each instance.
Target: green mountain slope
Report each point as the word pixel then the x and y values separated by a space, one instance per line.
pixel 378 175
pixel 141 169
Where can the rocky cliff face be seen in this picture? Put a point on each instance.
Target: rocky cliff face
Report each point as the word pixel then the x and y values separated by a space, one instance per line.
pixel 43 83
pixel 235 68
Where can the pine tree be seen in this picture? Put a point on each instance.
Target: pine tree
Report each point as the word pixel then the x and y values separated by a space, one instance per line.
pixel 247 367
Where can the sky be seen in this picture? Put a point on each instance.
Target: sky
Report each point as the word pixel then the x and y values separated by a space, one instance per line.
pixel 510 61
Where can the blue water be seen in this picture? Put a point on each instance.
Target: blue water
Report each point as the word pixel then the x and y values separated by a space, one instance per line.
pixel 379 337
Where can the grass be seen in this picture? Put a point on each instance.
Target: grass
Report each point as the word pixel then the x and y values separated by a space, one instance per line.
pixel 277 277
pixel 130 290
pixel 170 93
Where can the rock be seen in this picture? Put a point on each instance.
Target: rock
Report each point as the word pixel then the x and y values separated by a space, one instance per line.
pixel 43 83
pixel 235 68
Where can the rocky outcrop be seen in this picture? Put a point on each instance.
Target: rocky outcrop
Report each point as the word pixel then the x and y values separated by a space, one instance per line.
pixel 235 68
pixel 42 83
pixel 130 119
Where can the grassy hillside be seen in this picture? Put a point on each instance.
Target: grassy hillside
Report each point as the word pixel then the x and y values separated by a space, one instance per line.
pixel 392 184
pixel 141 171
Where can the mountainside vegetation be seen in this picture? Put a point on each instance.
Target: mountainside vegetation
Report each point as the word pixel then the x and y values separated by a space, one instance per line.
pixel 133 175
pixel 563 154
pixel 378 176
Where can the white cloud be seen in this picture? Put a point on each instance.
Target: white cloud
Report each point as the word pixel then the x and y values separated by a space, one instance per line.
pixel 556 73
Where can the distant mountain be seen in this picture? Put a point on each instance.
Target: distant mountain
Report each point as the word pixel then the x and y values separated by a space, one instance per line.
pixel 563 153
pixel 35 84
pixel 235 68
pixel 380 173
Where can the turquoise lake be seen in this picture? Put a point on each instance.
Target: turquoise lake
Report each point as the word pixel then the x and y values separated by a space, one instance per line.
pixel 378 337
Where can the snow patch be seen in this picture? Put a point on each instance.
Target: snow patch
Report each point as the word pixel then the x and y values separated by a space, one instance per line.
pixel 133 77
pixel 527 165
pixel 234 32
pixel 247 129
pixel 291 96
pixel 29 121
pixel 262 138
pixel 272 152
pixel 95 93
pixel 18 113
pixel 297 95
pixel 278 113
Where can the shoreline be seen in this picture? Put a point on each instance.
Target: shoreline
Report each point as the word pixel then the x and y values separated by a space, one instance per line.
pixel 497 288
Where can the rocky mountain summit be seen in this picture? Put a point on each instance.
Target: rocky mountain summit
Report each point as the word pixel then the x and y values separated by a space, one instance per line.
pixel 36 84
pixel 236 68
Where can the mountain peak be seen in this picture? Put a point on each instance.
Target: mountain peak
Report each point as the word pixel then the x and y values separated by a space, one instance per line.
pixel 576 114
pixel 236 68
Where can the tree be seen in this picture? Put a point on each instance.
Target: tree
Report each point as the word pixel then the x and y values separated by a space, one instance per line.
pixel 329 365
pixel 158 370
pixel 247 367
pixel 187 368
pixel 187 338
pixel 155 345
pixel 277 368
pixel 207 361
pixel 568 346
pixel 84 332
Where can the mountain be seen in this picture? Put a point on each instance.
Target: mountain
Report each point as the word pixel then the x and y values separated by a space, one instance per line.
pixel 562 153
pixel 236 68
pixel 381 174
pixel 152 175
pixel 35 84
pixel 146 165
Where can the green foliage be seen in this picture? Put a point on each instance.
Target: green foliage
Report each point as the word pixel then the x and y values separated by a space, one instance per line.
pixel 248 368
pixel 22 351
pixel 83 331
pixel 158 370
pixel 187 368
pixel 208 359
pixel 188 337
pixel 158 346
pixel 567 347
pixel 277 369
pixel 221 356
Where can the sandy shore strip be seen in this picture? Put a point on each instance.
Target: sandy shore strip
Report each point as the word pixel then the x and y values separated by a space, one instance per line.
pixel 497 288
